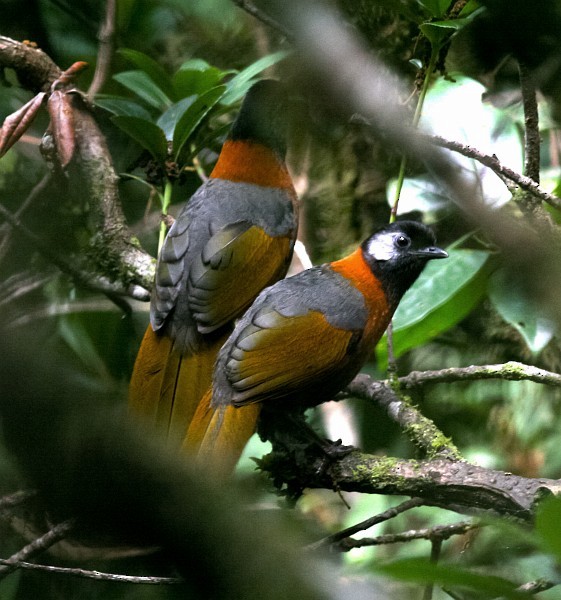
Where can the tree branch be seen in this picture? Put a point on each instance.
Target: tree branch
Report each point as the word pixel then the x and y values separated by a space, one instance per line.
pixel 114 251
pixel 452 485
pixel 106 37
pixel 363 525
pixel 98 575
pixel 512 371
pixel 54 535
pixel 493 163
pixel 420 430
pixel 252 10
pixel 439 532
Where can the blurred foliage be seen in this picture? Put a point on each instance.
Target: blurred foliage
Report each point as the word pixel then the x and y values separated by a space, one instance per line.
pixel 176 80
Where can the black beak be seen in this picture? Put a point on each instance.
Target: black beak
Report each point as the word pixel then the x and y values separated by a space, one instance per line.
pixel 431 252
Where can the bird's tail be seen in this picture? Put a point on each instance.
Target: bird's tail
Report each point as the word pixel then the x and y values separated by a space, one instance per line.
pixel 217 436
pixel 167 386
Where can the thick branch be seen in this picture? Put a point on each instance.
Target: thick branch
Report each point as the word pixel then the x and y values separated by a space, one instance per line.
pixel 106 39
pixel 451 485
pixel 420 430
pixel 531 124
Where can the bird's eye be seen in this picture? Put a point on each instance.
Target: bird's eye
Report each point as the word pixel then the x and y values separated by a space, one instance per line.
pixel 402 241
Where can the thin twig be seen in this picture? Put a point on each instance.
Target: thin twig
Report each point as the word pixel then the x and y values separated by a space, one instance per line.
pixel 54 535
pixel 106 37
pixel 98 575
pixel 5 229
pixel 441 532
pixel 493 163
pixel 363 525
pixel 435 549
pixel 511 371
pixel 16 499
pixel 252 10
pixel 87 279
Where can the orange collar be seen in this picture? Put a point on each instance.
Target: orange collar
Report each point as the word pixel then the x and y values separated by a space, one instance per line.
pixel 251 162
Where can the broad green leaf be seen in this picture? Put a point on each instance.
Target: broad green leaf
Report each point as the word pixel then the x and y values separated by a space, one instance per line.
pixel 169 119
pixel 239 84
pixel 144 87
pixel 193 116
pixel 154 70
pixel 548 525
pixel 444 294
pixel 421 570
pixel 122 107
pixel 146 133
pixel 418 193
pixel 520 312
pixel 188 82
pixel 195 64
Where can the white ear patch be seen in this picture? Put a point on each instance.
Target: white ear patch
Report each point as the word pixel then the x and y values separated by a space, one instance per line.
pixel 382 246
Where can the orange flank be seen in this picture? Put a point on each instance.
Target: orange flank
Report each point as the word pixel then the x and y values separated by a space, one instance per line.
pixel 357 272
pixel 251 162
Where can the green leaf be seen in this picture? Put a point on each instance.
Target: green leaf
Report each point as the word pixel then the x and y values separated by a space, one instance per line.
pixel 154 70
pixel 421 570
pixel 519 311
pixel 439 32
pixel 144 87
pixel 436 8
pixel 193 116
pixel 238 85
pixel 168 121
pixel 188 82
pixel 548 525
pixel 122 107
pixel 146 133
pixel 444 294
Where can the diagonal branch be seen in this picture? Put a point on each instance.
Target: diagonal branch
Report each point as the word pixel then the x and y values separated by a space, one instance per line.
pixel 106 37
pixel 493 163
pixel 54 535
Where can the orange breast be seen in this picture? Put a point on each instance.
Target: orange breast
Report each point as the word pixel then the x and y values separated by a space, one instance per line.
pixel 357 272
pixel 251 162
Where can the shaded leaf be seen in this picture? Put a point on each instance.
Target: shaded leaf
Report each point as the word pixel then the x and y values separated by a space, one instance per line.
pixel 439 32
pixel 16 124
pixel 238 85
pixel 196 76
pixel 436 8
pixel 146 133
pixel 520 312
pixel 154 70
pixel 62 123
pixel 193 116
pixel 548 525
pixel 144 87
pixel 422 571
pixel 444 294
pixel 168 120
pixel 122 106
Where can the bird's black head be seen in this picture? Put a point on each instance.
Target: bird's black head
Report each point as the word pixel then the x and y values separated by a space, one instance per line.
pixel 398 253
pixel 263 116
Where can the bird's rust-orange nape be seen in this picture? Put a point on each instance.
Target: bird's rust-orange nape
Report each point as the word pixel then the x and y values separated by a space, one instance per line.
pixel 359 274
pixel 251 162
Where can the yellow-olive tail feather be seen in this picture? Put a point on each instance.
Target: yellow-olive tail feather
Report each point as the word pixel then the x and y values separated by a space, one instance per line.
pixel 166 386
pixel 218 436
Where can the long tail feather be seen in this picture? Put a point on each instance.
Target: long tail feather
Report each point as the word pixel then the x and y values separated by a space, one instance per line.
pixel 167 386
pixel 218 436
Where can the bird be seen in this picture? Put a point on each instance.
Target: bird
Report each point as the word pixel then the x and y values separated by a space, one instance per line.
pixel 234 237
pixel 306 337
